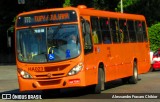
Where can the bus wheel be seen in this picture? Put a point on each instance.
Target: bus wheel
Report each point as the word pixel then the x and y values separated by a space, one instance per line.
pixel 101 84
pixel 125 80
pixel 151 69
pixel 133 79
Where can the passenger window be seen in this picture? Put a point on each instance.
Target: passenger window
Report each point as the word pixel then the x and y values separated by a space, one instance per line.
pixel 132 34
pixel 144 32
pixel 96 34
pixel 88 46
pixel 139 31
pixel 123 31
pixel 114 30
pixel 106 36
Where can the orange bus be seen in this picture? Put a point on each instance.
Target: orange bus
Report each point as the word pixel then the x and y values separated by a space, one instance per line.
pixel 77 47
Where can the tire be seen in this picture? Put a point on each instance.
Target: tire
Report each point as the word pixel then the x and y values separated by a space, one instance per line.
pixel 151 69
pixel 134 78
pixel 125 80
pixel 101 83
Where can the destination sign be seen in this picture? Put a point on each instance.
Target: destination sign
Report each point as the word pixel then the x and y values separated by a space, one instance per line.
pixel 47 18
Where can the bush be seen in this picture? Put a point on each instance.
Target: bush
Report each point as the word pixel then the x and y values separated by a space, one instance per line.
pixel 154 36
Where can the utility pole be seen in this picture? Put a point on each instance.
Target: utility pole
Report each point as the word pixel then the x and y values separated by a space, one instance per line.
pixel 121 6
pixel 21 1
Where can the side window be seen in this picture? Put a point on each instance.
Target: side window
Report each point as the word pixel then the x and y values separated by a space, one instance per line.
pixel 106 36
pixel 87 42
pixel 96 34
pixel 139 31
pixel 144 31
pixel 114 30
pixel 123 30
pixel 132 34
pixel 157 53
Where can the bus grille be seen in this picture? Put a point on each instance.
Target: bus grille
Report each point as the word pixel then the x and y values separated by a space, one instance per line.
pixel 55 68
pixel 52 72
pixel 50 75
pixel 51 82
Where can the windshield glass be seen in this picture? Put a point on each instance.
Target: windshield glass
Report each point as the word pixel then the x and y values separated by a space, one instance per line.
pixel 48 44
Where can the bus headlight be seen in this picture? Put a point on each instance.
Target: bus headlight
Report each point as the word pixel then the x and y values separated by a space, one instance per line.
pixel 24 74
pixel 76 69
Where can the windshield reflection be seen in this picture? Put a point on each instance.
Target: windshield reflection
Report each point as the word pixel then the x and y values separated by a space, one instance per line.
pixel 48 44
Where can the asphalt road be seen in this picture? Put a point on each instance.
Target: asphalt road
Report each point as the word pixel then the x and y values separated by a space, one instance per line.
pixel 147 89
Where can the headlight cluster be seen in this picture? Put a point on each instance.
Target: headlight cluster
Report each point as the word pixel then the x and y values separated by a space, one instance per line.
pixel 76 69
pixel 24 74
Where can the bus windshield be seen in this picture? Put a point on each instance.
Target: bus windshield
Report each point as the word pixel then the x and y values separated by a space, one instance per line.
pixel 48 44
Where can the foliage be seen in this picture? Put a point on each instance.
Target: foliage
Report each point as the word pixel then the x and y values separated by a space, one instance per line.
pixel 148 8
pixel 126 4
pixel 154 36
pixel 105 4
pixel 67 3
pixel 88 3
pixel 100 4
pixel 11 28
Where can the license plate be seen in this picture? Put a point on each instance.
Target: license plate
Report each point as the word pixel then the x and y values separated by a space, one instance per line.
pixel 36 69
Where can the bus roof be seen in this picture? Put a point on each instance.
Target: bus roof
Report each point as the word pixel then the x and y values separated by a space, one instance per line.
pixel 101 13
pixel 83 10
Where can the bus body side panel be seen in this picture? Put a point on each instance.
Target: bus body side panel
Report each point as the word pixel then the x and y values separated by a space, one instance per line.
pixel 90 69
pixel 90 63
pixel 106 57
pixel 142 54
pixel 120 61
pixel 118 58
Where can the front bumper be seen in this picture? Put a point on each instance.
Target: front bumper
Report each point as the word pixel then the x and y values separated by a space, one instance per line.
pixel 77 80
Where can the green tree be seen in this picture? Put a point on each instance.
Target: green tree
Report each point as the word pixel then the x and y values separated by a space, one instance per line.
pixel 126 4
pixel 67 3
pixel 105 4
pixel 148 8
pixel 154 36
